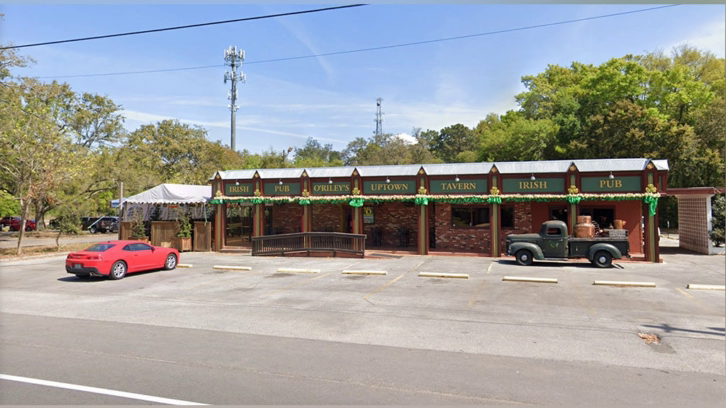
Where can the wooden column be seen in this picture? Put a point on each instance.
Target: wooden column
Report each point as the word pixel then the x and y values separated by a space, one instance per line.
pixel 423 217
pixel 652 252
pixel 495 210
pixel 572 211
pixel 220 214
pixel 258 214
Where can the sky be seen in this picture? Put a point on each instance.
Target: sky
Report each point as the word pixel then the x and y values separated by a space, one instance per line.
pixel 333 98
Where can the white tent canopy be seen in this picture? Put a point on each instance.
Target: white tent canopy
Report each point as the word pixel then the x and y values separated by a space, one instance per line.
pixel 170 197
pixel 173 194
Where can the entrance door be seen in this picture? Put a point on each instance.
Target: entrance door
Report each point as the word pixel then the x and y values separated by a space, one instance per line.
pixel 238 225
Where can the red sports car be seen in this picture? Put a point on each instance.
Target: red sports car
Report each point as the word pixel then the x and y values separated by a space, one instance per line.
pixel 117 258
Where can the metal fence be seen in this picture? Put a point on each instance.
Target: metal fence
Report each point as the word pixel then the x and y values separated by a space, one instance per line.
pixel 335 242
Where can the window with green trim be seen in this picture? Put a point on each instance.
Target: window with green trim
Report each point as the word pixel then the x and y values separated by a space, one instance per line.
pixel 470 217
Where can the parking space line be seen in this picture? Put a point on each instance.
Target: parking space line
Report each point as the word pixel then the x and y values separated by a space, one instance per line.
pixel 96 390
pixel 489 269
pixel 384 286
pixel 305 282
pixel 693 298
pixel 393 281
pixel 580 295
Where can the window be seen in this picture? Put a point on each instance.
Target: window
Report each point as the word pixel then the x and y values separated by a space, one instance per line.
pixel 477 217
pixel 603 217
pixel 507 216
pixel 99 248
pixel 140 247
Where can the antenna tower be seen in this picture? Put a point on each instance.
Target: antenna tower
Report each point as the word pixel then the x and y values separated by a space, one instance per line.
pixel 233 58
pixel 379 117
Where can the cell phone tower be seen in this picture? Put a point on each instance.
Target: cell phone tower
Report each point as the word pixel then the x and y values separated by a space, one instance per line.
pixel 233 58
pixel 379 117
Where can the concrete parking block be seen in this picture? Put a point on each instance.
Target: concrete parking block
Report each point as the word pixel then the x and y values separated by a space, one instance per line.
pixel 443 275
pixel 527 279
pixel 183 265
pixel 232 268
pixel 365 273
pixel 623 283
pixel 293 270
pixel 705 287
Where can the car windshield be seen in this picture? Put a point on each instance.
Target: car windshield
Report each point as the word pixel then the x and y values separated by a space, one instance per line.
pixel 99 248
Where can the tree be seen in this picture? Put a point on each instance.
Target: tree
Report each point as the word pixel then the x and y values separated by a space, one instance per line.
pixel 34 153
pixel 515 138
pixel 718 222
pixel 9 205
pixel 313 154
pixel 172 152
pixel 453 140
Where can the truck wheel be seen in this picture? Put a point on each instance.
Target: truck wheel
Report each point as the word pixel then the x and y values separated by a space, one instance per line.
pixel 93 230
pixel 524 257
pixel 603 259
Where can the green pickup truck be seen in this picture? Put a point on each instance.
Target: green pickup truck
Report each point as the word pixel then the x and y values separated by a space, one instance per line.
pixel 553 244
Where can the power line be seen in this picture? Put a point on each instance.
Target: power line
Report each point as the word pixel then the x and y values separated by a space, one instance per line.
pixel 157 30
pixel 374 48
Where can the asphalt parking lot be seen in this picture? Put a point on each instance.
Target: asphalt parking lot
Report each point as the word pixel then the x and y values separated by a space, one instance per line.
pixel 568 322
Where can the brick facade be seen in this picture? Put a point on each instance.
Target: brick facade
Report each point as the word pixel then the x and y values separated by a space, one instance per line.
pixel 522 223
pixel 693 223
pixel 286 218
pixel 461 239
pixel 327 218
pixel 390 217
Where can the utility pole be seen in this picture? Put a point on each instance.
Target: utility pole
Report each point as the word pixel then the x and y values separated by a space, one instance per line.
pixel 379 117
pixel 120 207
pixel 233 58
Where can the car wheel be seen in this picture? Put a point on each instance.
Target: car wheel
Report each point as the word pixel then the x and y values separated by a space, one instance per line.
pixel 118 270
pixel 170 262
pixel 603 259
pixel 524 257
pixel 93 230
pixel 28 228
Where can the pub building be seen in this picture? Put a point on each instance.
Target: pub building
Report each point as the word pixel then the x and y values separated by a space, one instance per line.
pixel 450 208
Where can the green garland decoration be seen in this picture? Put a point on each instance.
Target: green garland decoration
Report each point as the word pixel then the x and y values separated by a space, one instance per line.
pixel 424 199
pixel 494 199
pixel 652 201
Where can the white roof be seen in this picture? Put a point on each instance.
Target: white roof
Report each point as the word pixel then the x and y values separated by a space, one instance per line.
pixel 173 194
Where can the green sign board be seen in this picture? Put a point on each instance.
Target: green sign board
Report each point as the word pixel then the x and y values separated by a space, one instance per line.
pixel 394 187
pixel 461 186
pixel 539 185
pixel 606 184
pixel 282 189
pixel 336 188
pixel 241 189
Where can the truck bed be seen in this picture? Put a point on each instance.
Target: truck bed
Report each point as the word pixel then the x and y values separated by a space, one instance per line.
pixel 579 247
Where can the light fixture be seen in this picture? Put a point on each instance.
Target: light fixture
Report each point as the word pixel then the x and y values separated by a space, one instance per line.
pixel 388 180
pixel 611 175
pixel 533 177
pixel 330 181
pixel 236 182
pixel 280 182
pixel 457 178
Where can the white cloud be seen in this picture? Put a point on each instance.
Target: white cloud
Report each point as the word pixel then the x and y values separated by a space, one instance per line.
pixel 710 37
pixel 150 117
pixel 408 139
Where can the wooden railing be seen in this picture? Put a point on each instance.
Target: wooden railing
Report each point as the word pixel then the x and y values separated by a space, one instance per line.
pixel 335 242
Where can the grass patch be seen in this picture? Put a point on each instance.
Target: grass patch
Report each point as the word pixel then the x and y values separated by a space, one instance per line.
pixel 9 253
